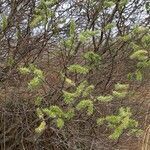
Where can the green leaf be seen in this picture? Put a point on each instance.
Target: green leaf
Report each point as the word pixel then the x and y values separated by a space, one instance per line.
pixel 144 64
pixel 69 114
pixel 78 69
pixel 68 97
pixel 72 27
pixel 10 61
pixel 109 26
pixel 119 95
pixel 139 76
pixel 108 4
pixel 100 121
pixel 34 83
pixel 125 38
pixel 135 46
pixel 38 73
pixel 86 104
pixel 69 81
pixel 51 2
pixel 139 29
pixel 146 40
pixel 133 123
pixel 86 35
pixel 81 87
pixel 107 98
pixel 38 101
pixel 121 87
pixel 39 113
pixel 69 42
pixel 130 76
pixel 82 38
pixel 24 70
pixel 124 2
pixel 32 67
pixel 119 129
pixel 4 22
pixel 36 20
pixel 140 55
pixel 60 123
pixel 92 58
pixel 119 122
pixel 116 134
pixel 88 91
pixel 113 119
pixel 53 111
pixel 41 127
pixel 123 112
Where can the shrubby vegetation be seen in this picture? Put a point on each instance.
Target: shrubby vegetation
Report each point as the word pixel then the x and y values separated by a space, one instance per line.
pixel 74 68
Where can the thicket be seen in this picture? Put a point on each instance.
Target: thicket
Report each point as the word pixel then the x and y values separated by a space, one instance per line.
pixel 69 73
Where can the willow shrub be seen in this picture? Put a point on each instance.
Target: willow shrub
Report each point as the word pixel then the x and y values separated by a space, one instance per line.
pixel 81 97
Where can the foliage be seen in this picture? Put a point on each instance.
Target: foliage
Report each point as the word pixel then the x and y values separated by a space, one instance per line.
pixel 87 91
pixel 121 87
pixel 72 27
pixel 60 123
pixel 86 35
pixel 37 73
pixel 76 68
pixel 75 100
pixel 92 58
pixel 41 127
pixel 53 111
pixel 85 104
pixel 4 22
pixel 119 122
pixel 68 97
pixel 107 98
pixel 140 53
pixel 73 55
pixel 42 12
